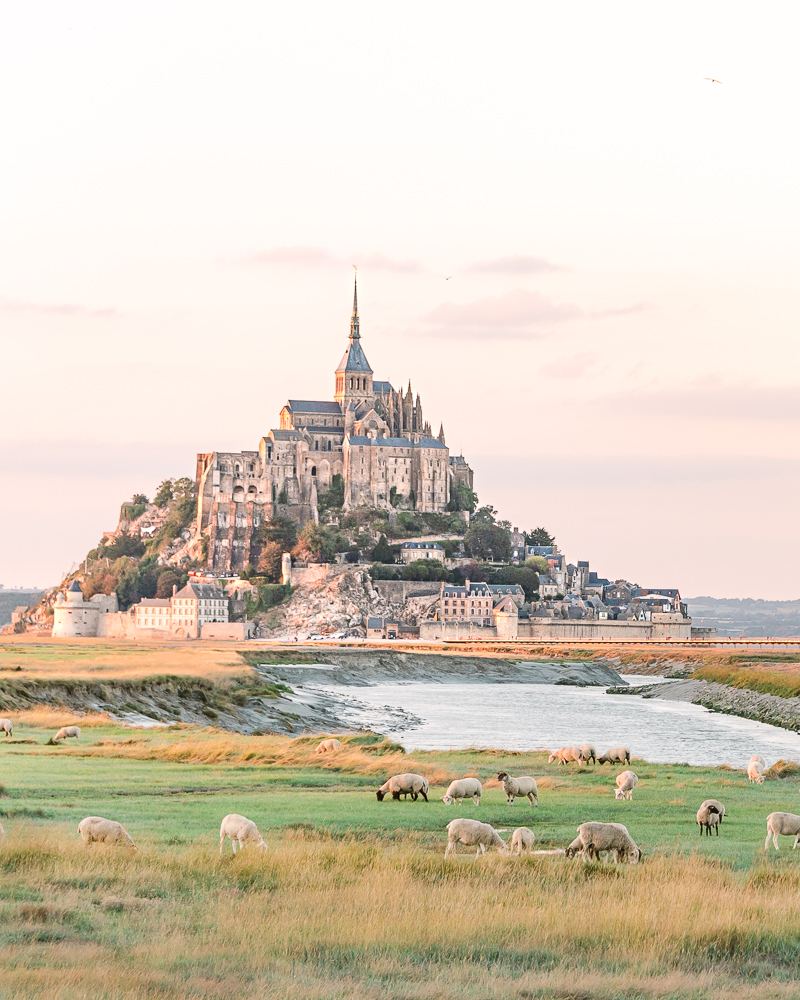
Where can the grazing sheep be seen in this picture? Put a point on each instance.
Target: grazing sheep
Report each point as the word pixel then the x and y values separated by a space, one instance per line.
pixel 472 833
pixel 242 831
pixel 565 755
pixel 755 772
pixel 522 840
pixel 616 755
pixel 329 746
pixel 785 824
pixel 104 831
pixel 576 847
pixel 758 759
pixel 710 814
pixel 463 788
pixel 588 754
pixel 612 837
pixel 523 787
pixel 404 784
pixel 626 782
pixel 7 726
pixel 66 731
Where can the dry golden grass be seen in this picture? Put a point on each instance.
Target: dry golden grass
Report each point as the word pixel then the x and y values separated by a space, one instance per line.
pixel 319 917
pixel 47 717
pixel 99 660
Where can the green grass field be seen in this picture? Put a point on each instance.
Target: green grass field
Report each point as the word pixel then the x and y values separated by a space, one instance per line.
pixel 354 897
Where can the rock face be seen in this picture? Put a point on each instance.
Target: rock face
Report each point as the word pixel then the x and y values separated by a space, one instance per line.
pixel 344 601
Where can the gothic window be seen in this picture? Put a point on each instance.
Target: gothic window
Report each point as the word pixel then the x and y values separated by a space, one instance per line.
pixel 314 471
pixel 316 446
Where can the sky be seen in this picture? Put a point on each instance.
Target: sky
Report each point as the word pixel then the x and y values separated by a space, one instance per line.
pixel 580 250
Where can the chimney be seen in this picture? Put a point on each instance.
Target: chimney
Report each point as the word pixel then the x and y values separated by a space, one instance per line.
pixel 466 584
pixel 174 589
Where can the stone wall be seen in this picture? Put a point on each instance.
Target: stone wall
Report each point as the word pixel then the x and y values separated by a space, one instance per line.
pixel 237 631
pixel 397 591
pixel 455 630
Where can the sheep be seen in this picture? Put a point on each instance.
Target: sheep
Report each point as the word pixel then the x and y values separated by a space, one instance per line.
pixel 612 837
pixel 785 824
pixel 463 788
pixel 242 831
pixel 404 784
pixel 616 755
pixel 524 787
pixel 710 814
pixel 565 755
pixel 758 759
pixel 522 840
pixel 755 772
pixel 66 731
pixel 7 726
pixel 104 831
pixel 626 782
pixel 472 833
pixel 588 754
pixel 329 746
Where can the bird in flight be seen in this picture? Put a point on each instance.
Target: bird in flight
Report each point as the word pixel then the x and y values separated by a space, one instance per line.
pixel 447 277
pixel 711 78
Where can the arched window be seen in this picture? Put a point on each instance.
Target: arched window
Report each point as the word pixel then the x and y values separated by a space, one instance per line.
pixel 314 471
pixel 237 468
pixel 316 446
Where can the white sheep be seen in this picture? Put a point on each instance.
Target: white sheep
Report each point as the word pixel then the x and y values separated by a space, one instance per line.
pixel 463 788
pixel 7 726
pixel 241 830
pixel 522 840
pixel 329 746
pixel 710 815
pixel 626 782
pixel 588 754
pixel 758 759
pixel 755 772
pixel 66 731
pixel 104 831
pixel 616 755
pixel 565 755
pixel 522 787
pixel 785 824
pixel 472 833
pixel 404 784
pixel 612 837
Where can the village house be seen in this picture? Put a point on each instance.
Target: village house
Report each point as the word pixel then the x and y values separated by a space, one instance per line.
pixel 411 551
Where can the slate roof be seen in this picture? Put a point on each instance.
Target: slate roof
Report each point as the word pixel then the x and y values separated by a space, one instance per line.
pixel 475 590
pixel 390 442
pixel 154 602
pixel 374 622
pixel 382 386
pixel 202 591
pixel 73 588
pixel 354 359
pixel 286 435
pixel 506 588
pixel 422 545
pixel 313 406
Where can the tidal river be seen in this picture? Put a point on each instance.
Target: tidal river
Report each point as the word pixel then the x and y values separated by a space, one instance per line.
pixel 547 716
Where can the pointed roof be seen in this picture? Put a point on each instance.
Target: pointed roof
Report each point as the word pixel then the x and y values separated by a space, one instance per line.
pixel 354 359
pixel 74 588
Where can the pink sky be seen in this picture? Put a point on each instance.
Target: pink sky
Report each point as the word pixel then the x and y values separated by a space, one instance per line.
pixel 616 348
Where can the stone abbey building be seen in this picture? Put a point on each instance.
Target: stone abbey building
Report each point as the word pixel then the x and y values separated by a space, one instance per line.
pixel 370 434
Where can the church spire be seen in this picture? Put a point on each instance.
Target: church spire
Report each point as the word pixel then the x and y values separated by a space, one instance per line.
pixel 354 331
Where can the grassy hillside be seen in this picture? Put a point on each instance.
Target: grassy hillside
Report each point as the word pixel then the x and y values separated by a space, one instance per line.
pixel 354 898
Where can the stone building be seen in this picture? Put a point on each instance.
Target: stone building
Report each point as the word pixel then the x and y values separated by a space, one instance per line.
pixel 72 616
pixel 372 435
pixel 185 613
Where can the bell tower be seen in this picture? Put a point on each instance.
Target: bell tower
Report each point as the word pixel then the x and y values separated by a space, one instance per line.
pixel 353 375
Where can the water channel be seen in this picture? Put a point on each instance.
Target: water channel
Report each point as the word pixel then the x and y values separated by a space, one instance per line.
pixel 546 716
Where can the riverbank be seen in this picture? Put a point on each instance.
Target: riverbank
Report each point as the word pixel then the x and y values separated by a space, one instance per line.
pixel 768 708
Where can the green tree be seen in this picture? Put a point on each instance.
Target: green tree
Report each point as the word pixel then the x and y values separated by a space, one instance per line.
pixel 124 545
pixel 279 529
pixel 270 560
pixel 462 498
pixel 539 536
pixel 167 579
pixel 538 564
pixel 333 498
pixel 383 551
pixel 485 515
pixel 425 569
pixel 164 494
pixel 487 541
pixel 315 544
pixel 138 498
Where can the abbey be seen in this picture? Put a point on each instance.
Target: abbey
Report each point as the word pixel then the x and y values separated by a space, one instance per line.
pixel 370 434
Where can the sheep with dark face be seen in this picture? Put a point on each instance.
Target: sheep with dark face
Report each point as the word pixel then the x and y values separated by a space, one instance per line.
pixel 472 833
pixel 522 787
pixel 404 784
pixel 709 816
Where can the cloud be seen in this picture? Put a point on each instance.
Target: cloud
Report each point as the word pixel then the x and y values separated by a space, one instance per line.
pixel 513 316
pixel 514 264
pixel 65 309
pixel 320 257
pixel 709 398
pixel 573 367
